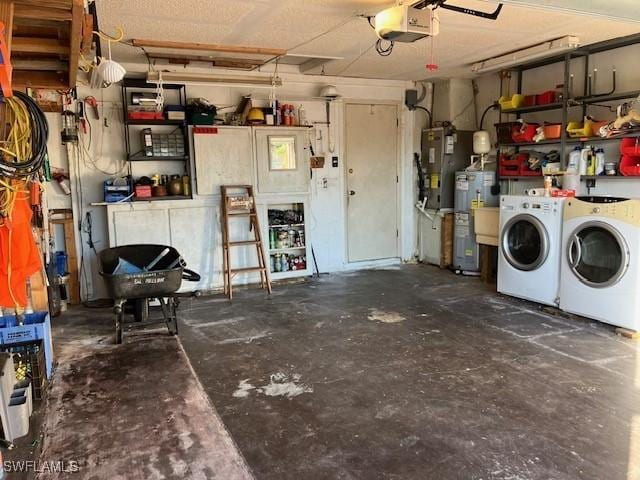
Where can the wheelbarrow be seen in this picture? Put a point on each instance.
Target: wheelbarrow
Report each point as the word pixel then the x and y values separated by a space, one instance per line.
pixel 136 274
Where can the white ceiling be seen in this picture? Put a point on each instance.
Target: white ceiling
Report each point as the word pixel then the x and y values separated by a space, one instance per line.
pixel 287 23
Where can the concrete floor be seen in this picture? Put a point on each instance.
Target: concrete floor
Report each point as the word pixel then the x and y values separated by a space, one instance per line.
pixel 415 373
pixel 408 373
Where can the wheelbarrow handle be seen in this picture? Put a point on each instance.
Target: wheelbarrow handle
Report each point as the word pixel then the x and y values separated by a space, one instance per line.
pixel 190 275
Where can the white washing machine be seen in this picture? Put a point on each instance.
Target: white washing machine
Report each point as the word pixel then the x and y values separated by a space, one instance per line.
pixel 600 268
pixel 530 247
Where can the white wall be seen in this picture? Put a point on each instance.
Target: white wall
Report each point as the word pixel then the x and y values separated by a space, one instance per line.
pixel 106 155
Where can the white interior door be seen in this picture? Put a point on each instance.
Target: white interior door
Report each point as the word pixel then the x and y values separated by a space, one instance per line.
pixel 372 182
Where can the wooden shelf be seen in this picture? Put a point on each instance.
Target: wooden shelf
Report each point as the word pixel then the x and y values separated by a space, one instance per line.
pixel 142 158
pixel 287 226
pixel 155 199
pixel 289 249
pixel 521 177
pixel 151 122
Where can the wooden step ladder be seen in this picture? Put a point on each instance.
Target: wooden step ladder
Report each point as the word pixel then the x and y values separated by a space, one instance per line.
pixel 239 201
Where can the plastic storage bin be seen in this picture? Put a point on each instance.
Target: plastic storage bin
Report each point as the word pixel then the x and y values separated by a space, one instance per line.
pixel 524 132
pixel 579 129
pixel 37 327
pixel 630 166
pixel 509 165
pixel 504 131
pixel 515 101
pixel 546 98
pixel 552 131
pixel 630 146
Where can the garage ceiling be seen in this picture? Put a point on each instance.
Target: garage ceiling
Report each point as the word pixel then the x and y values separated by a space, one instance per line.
pixel 288 23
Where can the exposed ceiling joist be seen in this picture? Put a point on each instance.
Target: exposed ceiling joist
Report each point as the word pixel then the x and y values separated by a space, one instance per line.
pixel 75 37
pixel 39 64
pixel 61 4
pixel 39 45
pixel 222 62
pixel 41 13
pixel 31 79
pixel 87 34
pixel 210 47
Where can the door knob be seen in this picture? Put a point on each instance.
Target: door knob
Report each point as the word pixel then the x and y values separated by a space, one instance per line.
pixel 352 193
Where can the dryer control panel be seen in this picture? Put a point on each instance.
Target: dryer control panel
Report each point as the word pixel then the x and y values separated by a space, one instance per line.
pixel 625 210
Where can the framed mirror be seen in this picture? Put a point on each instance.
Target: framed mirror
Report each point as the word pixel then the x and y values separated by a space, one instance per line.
pixel 282 153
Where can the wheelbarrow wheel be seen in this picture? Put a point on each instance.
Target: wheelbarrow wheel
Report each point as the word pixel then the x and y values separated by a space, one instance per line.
pixel 119 325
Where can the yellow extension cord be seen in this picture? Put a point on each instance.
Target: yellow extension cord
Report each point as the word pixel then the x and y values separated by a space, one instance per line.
pixel 17 146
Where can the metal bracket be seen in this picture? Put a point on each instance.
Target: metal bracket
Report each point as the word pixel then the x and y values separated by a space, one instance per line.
pixel 467 11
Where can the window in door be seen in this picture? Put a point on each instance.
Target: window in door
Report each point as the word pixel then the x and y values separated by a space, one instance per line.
pixel 282 153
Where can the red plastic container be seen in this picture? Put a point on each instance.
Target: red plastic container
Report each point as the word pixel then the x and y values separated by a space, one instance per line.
pixel 523 133
pixel 509 166
pixel 143 191
pixel 504 131
pixel 530 100
pixel 146 116
pixel 563 193
pixel 523 159
pixel 630 146
pixel 630 166
pixel 546 98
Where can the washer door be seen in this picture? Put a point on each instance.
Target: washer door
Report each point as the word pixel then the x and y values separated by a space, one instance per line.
pixel 525 242
pixel 598 254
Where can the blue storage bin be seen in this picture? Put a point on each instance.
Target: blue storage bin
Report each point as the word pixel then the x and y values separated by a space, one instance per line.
pixel 37 327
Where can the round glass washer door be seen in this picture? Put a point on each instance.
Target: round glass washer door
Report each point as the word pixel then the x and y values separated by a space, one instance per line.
pixel 598 254
pixel 525 242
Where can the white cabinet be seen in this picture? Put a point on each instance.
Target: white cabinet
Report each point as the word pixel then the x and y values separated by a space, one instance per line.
pixel 282 160
pixel 288 249
pixel 190 226
pixel 223 156
pixel 139 226
pixel 195 234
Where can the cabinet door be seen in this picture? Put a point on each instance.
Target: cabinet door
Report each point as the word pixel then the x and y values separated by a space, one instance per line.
pixel 282 160
pixel 223 156
pixel 200 246
pixel 141 226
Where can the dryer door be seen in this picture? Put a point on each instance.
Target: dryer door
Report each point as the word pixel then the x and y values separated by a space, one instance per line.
pixel 598 254
pixel 525 242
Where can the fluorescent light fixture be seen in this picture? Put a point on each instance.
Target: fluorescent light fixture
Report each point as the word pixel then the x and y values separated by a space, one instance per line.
pixel 536 52
pixel 213 80
pixel 623 10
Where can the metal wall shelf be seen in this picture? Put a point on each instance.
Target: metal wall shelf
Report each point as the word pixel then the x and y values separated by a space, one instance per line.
pixel 582 55
pixel 534 108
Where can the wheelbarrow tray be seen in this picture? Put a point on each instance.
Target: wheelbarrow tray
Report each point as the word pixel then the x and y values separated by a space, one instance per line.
pixel 159 282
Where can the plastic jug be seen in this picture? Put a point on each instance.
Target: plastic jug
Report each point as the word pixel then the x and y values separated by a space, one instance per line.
pixel 600 160
pixel 574 160
pixel 571 181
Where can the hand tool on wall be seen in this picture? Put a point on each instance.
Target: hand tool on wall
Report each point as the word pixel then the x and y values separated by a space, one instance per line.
pixel 93 103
